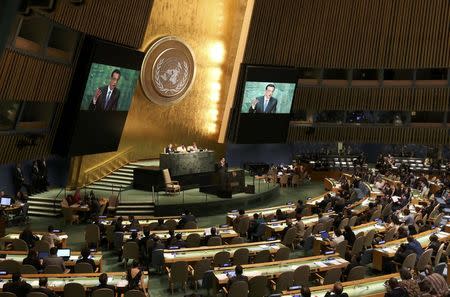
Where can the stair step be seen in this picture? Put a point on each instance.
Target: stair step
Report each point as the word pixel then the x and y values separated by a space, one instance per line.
pixel 104 188
pixel 128 174
pixel 40 198
pixel 42 213
pixel 130 166
pixel 117 181
pixel 135 212
pixel 48 203
pixel 129 170
pixel 135 207
pixel 118 178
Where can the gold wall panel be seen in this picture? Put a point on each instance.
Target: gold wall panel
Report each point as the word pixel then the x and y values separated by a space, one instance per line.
pixel 350 33
pixel 212 30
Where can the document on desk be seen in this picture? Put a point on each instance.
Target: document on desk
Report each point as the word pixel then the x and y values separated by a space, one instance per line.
pixel 320 264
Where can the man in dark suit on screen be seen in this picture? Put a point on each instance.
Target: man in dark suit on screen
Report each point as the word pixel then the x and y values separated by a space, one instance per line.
pixel 266 103
pixel 107 97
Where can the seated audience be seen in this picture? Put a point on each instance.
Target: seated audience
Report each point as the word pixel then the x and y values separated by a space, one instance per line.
pixel 161 225
pixel 394 289
pixel 408 283
pixel 103 280
pixel 17 286
pixel 414 245
pixel 437 281
pixel 305 291
pixel 238 277
pixel 85 253
pixel 186 217
pixel 51 237
pixel 28 236
pixel 135 277
pixel 53 259
pixel 279 215
pixel 179 242
pixel 349 235
pixel 338 291
pixel 33 260
pixel 213 234
pixel 43 281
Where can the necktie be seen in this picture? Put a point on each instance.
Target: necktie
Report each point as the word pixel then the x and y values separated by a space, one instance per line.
pixel 266 102
pixel 108 95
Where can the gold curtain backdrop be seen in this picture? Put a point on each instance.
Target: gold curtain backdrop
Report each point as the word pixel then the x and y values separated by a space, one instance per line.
pixel 212 30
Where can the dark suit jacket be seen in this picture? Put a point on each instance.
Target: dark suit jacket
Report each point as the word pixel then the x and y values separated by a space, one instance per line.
pixel 54 260
pixel 259 108
pixel 100 104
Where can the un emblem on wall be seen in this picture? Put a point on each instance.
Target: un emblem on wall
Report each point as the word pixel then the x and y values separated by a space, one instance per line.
pixel 167 71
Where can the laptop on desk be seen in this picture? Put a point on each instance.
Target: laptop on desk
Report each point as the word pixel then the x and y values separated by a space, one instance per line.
pixel 64 253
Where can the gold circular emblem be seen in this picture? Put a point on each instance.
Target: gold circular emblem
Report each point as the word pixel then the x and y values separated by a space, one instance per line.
pixel 167 71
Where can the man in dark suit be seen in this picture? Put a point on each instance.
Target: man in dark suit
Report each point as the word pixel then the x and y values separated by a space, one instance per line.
pixel 53 259
pixel 43 288
pixel 266 103
pixel 238 276
pixel 107 97
pixel 103 280
pixel 17 286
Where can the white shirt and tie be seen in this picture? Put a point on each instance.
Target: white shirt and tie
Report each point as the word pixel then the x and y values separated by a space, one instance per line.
pixel 108 96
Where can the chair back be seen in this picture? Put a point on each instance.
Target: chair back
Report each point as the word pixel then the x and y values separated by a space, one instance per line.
pixel 356 273
pixel 237 240
pixel 424 260
pixel 166 174
pixel 369 238
pixel 157 259
pixel 282 254
pixel 240 256
pixel 172 224
pixel 53 269
pixel 301 275
pixel 440 268
pixel 343 223
pixel 352 221
pixel 284 281
pixel 333 275
pixel 389 235
pixel 10 266
pixel 179 272
pixel 92 234
pixel 243 225
pixel 308 244
pixel 238 289
pixel 376 215
pixel 341 248
pixel 409 261
pixel 83 268
pixel 200 268
pixel 190 225
pixel 439 253
pixel 28 269
pixel 104 292
pixel 7 294
pixel 42 246
pixel 131 251
pixel 74 290
pixel 36 294
pixel 438 219
pixel 214 241
pixel 358 245
pixel 19 245
pixel 193 240
pixel 386 210
pixel 289 237
pixel 118 240
pixel 134 293
pixel 221 258
pixel 258 286
pixel 262 256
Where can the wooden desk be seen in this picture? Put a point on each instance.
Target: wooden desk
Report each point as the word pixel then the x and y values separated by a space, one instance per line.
pixel 56 282
pixel 62 237
pixel 143 220
pixel 312 203
pixel 208 252
pixel 226 233
pixel 319 242
pixel 278 226
pixel 330 184
pixel 361 206
pixel 274 269
pixel 367 287
pixel 374 192
pixel 387 250
pixel 75 255
pixel 266 213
